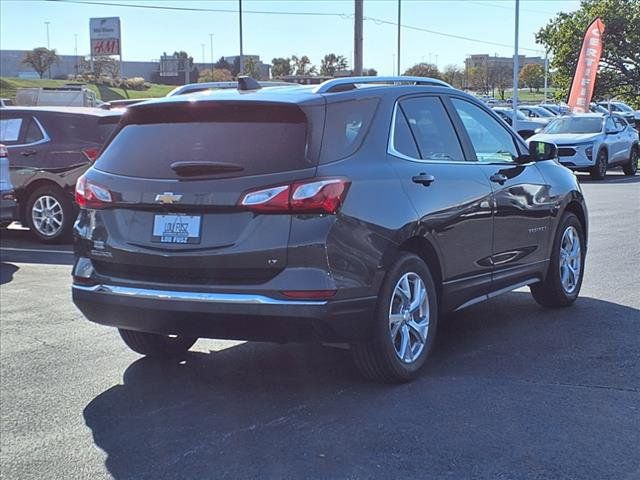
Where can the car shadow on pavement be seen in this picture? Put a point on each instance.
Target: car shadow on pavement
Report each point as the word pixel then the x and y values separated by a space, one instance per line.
pixel 268 411
pixel 6 272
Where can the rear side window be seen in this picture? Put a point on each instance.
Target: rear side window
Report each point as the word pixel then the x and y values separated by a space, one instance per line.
pixel 33 133
pixel 432 129
pixel 80 128
pixel 346 126
pixel 148 150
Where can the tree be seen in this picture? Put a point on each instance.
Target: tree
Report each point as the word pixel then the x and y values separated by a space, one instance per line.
pixel 40 59
pixel 103 66
pixel 280 67
pixel 252 68
pixel 332 63
pixel 454 76
pixel 370 72
pixel 423 70
pixel 501 77
pixel 215 75
pixel 302 65
pixel 532 76
pixel 222 64
pixel 619 73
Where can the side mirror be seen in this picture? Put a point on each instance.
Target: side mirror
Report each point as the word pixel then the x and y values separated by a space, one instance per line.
pixel 539 151
pixel 610 131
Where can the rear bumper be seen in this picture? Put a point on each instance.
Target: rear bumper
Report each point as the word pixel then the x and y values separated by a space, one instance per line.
pixel 8 207
pixel 225 315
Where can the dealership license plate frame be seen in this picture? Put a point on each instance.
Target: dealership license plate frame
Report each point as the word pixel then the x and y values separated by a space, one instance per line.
pixel 176 229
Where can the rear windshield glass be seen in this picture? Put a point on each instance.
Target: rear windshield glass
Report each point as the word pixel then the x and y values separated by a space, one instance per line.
pixel 149 150
pixel 346 126
pixel 575 125
pixel 80 128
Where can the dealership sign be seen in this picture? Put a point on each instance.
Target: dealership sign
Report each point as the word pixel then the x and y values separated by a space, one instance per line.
pixel 585 77
pixel 105 36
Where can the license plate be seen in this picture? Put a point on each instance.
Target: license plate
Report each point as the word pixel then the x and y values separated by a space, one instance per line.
pixel 176 228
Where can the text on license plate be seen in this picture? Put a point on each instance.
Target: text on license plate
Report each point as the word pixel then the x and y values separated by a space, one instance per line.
pixel 176 228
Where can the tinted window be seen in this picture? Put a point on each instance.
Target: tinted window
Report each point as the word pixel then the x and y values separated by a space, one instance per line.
pixel 346 125
pixel 33 133
pixel 621 123
pixel 403 141
pixel 575 125
pixel 491 141
pixel 432 129
pixel 10 130
pixel 148 150
pixel 79 128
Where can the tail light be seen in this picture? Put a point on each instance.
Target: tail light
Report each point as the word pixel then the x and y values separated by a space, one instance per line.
pixel 91 153
pixel 90 195
pixel 4 153
pixel 323 195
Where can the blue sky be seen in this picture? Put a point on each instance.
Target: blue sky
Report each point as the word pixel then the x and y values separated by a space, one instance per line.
pixel 147 33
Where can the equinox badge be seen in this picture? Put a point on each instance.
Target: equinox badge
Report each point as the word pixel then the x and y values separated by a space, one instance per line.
pixel 168 198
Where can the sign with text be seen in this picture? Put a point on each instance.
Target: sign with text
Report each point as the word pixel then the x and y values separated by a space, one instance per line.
pixel 105 36
pixel 585 77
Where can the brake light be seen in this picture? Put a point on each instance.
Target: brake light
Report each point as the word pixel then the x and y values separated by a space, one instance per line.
pixel 90 195
pixel 323 195
pixel 91 153
pixel 4 153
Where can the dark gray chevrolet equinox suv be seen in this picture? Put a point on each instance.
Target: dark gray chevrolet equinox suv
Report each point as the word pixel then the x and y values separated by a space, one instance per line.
pixel 357 212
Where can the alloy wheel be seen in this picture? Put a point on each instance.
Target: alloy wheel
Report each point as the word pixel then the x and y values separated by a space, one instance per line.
pixel 570 260
pixel 409 317
pixel 47 215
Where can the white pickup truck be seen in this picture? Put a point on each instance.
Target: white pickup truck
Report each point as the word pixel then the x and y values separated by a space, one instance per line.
pixel 68 96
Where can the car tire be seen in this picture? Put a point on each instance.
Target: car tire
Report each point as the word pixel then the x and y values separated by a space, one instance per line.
pixel 401 339
pixel 55 223
pixel 560 288
pixel 631 167
pixel 599 170
pixel 155 345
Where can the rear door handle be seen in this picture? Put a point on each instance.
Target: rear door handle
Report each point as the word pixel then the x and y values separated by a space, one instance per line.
pixel 423 179
pixel 28 153
pixel 498 178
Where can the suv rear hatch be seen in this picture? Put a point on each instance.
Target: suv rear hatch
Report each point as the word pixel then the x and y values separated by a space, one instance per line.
pixel 174 175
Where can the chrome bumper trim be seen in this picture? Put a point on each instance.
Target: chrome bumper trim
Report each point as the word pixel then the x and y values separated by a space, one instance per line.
pixel 205 297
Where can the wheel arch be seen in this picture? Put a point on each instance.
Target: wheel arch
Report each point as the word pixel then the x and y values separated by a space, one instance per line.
pixel 423 248
pixel 578 210
pixel 28 190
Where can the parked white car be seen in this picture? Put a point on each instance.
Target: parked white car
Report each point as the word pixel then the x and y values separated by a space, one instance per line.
pixel 593 142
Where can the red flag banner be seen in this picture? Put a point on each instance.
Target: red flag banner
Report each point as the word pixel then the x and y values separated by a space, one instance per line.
pixel 585 76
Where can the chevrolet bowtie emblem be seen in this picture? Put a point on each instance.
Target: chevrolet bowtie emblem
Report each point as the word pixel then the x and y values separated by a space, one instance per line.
pixel 168 198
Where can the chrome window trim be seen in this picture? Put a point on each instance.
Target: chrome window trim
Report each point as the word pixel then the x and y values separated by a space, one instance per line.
pixel 45 136
pixel 391 150
pixel 203 297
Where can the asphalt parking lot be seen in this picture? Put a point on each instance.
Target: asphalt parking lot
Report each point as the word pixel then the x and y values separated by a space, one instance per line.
pixel 512 391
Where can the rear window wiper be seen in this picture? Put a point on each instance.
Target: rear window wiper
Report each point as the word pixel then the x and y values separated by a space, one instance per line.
pixel 192 168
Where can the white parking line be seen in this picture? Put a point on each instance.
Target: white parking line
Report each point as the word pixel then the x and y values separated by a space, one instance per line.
pixel 34 250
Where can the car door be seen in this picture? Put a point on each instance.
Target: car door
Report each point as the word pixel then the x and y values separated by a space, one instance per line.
pixel 625 139
pixel 451 196
pixel 521 199
pixel 27 144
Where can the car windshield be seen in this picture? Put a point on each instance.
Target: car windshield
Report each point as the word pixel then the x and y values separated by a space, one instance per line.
pixel 623 107
pixel 575 125
pixel 542 112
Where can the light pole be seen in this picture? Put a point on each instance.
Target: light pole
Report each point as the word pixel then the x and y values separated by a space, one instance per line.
pixel 516 60
pixel 546 74
pixel 204 60
pixel 48 44
pixel 75 50
pixel 211 39
pixel 399 26
pixel 357 38
pixel 241 54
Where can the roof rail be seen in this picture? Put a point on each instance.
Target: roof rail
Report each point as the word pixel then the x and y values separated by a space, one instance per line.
pixel 349 83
